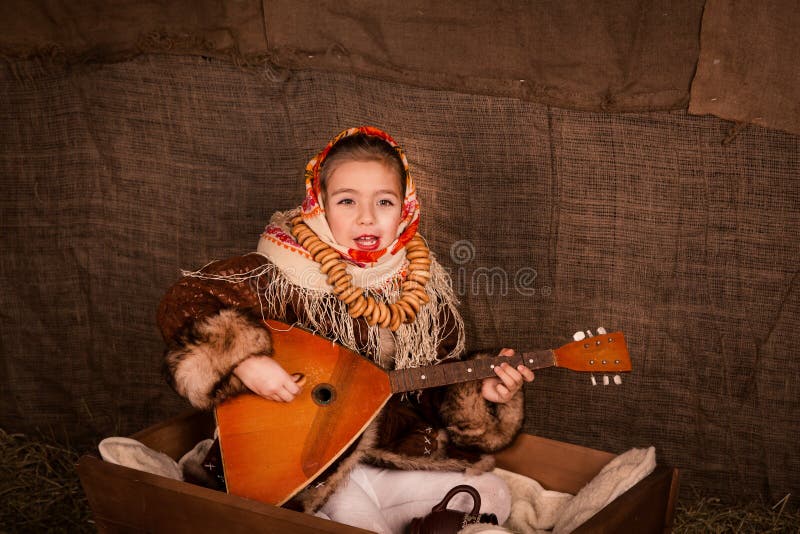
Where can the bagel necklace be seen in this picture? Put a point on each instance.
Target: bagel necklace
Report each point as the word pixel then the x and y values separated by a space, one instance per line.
pixel 412 294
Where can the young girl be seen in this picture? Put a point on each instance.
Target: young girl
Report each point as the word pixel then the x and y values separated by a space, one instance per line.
pixel 348 264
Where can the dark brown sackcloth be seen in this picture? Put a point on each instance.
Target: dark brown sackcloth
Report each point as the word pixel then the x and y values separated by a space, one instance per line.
pixel 749 66
pixel 115 177
pixel 626 55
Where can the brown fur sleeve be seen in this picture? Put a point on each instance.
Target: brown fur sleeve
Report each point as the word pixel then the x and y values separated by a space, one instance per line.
pixel 473 422
pixel 200 368
pixel 210 326
pixel 192 299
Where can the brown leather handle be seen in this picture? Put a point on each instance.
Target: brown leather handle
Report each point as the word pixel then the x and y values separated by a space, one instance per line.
pixel 463 488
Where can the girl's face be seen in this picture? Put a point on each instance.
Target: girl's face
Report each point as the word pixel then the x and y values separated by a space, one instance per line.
pixel 363 204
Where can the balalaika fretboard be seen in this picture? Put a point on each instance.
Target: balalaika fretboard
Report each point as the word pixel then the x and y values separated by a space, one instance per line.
pixel 403 380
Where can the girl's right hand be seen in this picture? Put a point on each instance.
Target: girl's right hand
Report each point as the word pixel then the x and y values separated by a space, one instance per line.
pixel 265 377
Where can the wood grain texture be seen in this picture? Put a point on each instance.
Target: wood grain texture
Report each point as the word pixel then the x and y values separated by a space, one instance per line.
pixel 127 500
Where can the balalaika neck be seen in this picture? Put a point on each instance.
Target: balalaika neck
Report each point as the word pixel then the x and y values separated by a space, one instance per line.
pixel 444 374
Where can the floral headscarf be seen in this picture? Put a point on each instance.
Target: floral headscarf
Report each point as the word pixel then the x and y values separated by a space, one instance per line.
pixel 313 209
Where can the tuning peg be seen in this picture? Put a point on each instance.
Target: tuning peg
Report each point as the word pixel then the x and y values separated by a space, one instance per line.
pixel 605 380
pixel 601 331
pixel 594 380
pixel 578 336
pixel 589 333
pixel 617 379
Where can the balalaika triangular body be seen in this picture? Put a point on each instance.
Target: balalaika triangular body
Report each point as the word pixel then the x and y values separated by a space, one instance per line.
pixel 272 450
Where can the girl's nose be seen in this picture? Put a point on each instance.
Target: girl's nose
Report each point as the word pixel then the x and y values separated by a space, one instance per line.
pixel 366 215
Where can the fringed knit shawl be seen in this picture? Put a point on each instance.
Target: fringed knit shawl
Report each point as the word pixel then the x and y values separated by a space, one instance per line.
pixel 415 343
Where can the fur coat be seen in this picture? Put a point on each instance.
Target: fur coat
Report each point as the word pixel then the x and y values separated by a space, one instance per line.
pixel 210 326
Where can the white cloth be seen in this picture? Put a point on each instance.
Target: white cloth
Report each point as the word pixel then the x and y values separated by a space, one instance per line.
pixel 533 508
pixel 386 500
pixel 136 455
pixel 617 477
pixel 131 453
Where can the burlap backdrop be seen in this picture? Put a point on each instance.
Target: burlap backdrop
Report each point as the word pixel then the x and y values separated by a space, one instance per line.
pixel 115 177
pixel 620 56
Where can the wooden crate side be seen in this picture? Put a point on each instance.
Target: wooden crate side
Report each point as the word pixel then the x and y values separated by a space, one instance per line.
pixel 673 500
pixel 127 500
pixel 646 508
pixel 556 465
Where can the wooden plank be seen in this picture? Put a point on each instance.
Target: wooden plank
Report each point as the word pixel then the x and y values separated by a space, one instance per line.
pixel 673 500
pixel 127 500
pixel 555 465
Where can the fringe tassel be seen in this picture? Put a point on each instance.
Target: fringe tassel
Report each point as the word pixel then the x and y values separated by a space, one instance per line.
pixel 321 312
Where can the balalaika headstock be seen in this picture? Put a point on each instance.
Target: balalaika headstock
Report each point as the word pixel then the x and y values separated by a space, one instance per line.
pixel 603 353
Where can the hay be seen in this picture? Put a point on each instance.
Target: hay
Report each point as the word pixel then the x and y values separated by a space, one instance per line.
pixel 710 515
pixel 40 492
pixel 39 488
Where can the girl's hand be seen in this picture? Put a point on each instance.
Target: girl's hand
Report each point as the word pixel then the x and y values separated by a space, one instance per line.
pixel 265 377
pixel 500 389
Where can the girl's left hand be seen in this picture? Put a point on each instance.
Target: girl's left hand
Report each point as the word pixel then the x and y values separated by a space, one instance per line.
pixel 500 389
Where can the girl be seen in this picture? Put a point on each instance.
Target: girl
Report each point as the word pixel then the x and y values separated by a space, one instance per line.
pixel 349 265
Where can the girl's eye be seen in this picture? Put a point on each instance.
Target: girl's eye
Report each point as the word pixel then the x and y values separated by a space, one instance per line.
pixel 386 202
pixel 345 201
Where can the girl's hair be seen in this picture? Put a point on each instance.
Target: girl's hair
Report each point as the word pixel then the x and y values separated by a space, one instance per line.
pixel 361 147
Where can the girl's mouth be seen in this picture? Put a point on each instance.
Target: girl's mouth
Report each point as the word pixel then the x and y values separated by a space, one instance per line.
pixel 367 242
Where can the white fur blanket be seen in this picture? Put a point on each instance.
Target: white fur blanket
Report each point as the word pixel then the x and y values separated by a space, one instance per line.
pixel 535 510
